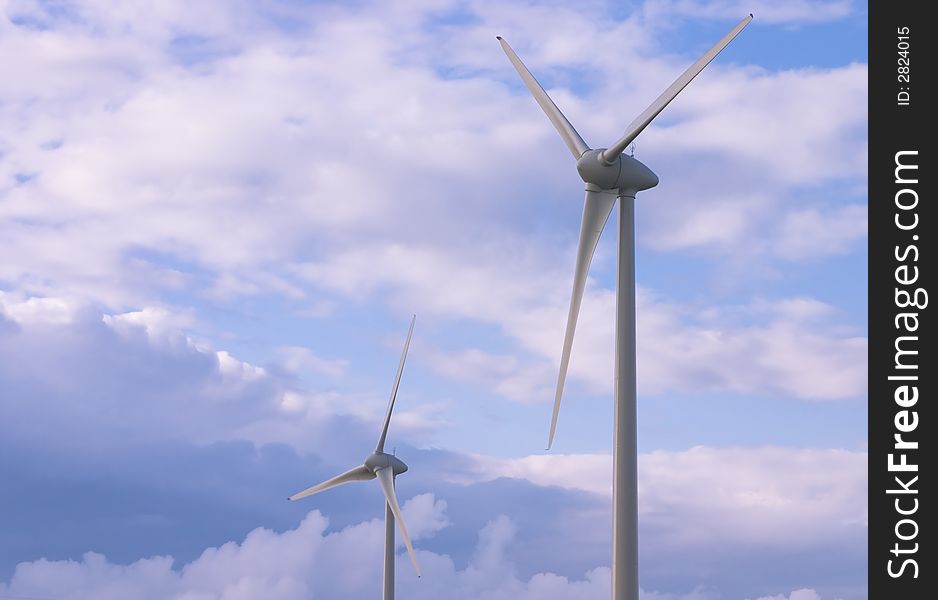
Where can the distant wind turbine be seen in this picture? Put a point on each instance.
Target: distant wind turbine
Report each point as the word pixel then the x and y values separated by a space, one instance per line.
pixel 385 467
pixel 608 174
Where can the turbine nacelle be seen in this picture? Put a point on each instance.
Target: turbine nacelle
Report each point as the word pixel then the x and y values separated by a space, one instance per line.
pixel 380 460
pixel 625 173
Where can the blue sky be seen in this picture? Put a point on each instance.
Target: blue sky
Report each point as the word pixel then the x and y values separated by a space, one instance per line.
pixel 216 219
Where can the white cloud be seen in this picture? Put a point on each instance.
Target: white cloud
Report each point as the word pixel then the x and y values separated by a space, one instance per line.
pixel 287 565
pixel 810 233
pixel 766 11
pixel 71 374
pixel 36 310
pixel 791 354
pixel 587 472
pixel 780 496
pixel 679 347
pixel 504 374
pixel 768 495
pixel 777 498
pixel 164 328
pixel 772 146
pixel 307 562
pixel 231 367
pixel 798 141
pixel 148 174
pixel 798 309
pixel 802 594
pixel 297 359
pixel 239 176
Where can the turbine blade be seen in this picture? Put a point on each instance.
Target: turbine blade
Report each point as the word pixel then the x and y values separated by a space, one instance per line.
pixel 397 383
pixel 642 120
pixel 361 473
pixel 386 479
pixel 570 136
pixel 596 211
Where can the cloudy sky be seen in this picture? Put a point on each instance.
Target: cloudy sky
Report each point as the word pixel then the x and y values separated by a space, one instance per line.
pixel 217 217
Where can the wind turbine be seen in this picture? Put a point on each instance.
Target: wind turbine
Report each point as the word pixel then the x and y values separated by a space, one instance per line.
pixel 609 174
pixel 385 467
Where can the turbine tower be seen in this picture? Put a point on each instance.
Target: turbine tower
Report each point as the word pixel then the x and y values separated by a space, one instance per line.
pixel 385 467
pixel 608 175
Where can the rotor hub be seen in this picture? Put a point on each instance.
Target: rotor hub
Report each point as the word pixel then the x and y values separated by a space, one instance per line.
pixel 625 173
pixel 380 460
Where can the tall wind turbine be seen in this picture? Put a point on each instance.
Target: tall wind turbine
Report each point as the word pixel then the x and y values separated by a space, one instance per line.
pixel 385 467
pixel 609 174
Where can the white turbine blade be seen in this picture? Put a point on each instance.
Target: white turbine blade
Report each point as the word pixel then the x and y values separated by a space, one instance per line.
pixel 361 473
pixel 386 479
pixel 596 209
pixel 564 128
pixel 397 383
pixel 642 120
